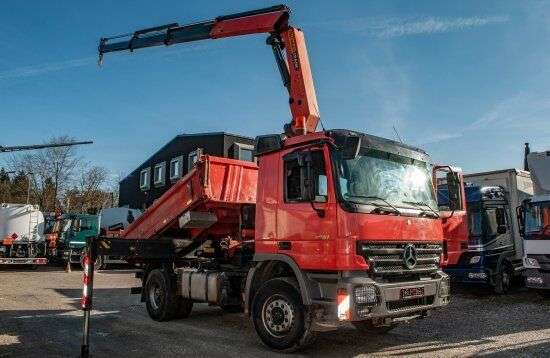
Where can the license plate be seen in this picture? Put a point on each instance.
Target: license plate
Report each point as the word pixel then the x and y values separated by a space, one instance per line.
pixel 411 292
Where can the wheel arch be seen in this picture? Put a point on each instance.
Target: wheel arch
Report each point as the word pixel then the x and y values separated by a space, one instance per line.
pixel 270 266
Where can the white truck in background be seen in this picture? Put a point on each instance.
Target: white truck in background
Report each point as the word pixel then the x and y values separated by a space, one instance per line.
pixel 534 218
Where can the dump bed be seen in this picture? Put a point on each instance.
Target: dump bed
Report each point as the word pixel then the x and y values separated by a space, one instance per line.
pixel 214 191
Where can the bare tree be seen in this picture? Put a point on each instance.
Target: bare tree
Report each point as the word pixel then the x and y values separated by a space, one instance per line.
pixel 89 193
pixel 51 171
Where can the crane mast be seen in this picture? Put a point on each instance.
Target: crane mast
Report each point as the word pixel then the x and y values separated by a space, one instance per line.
pixel 288 44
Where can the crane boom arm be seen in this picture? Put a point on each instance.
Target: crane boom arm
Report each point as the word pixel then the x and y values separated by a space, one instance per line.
pixel 40 146
pixel 287 42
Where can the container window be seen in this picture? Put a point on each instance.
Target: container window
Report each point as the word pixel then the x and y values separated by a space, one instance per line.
pixel 159 173
pixel 176 168
pixel 144 178
pixel 193 157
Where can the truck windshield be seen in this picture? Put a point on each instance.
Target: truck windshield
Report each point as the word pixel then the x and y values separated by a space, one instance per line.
pixel 380 178
pixel 537 221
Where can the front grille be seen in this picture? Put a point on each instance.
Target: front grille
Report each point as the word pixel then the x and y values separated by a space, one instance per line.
pixel 385 258
pixel 402 305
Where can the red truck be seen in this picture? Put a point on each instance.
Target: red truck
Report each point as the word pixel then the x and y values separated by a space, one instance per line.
pixel 329 227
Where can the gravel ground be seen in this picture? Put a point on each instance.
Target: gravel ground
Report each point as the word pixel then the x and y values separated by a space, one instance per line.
pixel 39 317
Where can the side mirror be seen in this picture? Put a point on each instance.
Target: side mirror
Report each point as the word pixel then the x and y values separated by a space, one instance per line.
pixel 453 185
pixel 352 145
pixel 520 214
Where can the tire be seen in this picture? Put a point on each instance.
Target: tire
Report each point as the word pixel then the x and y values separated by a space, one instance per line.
pixel 281 321
pixel 367 327
pixel 504 278
pixel 184 307
pixel 160 297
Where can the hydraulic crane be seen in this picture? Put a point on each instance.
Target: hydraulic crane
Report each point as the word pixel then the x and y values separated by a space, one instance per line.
pixel 288 44
pixel 328 227
pixel 39 146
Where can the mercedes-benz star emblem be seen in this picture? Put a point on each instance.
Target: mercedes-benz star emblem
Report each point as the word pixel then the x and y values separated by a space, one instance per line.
pixel 409 256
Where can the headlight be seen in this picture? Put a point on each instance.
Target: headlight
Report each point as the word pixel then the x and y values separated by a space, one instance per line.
pixel 444 287
pixel 530 262
pixel 365 295
pixel 475 259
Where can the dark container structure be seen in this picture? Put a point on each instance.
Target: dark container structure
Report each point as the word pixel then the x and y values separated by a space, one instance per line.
pixel 158 173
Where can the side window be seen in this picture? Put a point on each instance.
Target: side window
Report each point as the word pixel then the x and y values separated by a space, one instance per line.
pixel 159 174
pixel 175 168
pixel 243 152
pixel 85 224
pixel 297 186
pixel 144 178
pixel 193 157
pixel 496 221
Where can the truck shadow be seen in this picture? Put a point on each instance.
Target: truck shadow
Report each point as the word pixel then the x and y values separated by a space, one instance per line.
pixel 121 327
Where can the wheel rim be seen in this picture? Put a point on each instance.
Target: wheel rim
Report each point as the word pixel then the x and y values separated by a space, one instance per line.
pixel 155 296
pixel 278 315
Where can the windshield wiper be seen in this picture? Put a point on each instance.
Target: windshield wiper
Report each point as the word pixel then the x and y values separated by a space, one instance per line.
pixel 394 209
pixel 421 203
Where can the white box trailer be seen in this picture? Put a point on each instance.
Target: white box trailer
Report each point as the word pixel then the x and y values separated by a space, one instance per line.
pixel 536 225
pixel 518 187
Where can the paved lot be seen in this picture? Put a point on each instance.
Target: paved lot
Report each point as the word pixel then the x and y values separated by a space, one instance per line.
pixel 39 317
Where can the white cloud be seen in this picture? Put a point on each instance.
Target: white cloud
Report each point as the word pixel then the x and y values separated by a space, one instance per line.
pixel 29 71
pixel 412 25
pixel 433 25
pixel 389 90
pixel 525 113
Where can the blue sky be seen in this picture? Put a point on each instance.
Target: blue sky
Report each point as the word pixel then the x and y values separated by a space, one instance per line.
pixel 467 81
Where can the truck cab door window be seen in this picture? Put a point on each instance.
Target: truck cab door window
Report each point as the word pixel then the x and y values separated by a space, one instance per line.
pixel 496 221
pixel 305 177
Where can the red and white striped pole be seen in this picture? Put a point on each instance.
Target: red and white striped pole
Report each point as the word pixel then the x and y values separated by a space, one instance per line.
pixel 87 293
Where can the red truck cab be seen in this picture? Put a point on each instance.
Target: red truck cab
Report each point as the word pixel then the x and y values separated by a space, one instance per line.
pixel 351 215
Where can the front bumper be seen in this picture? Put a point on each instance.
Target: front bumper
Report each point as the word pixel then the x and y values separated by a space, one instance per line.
pixel 536 279
pixel 470 275
pixel 388 305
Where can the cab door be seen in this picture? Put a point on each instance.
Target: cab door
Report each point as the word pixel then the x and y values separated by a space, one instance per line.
pixel 306 213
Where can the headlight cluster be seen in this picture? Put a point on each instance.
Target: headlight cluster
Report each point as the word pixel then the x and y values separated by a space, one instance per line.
pixel 530 262
pixel 365 298
pixel 445 287
pixel 365 295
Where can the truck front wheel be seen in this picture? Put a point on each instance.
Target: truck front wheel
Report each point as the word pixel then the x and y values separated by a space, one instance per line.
pixel 280 319
pixel 163 304
pixel 504 278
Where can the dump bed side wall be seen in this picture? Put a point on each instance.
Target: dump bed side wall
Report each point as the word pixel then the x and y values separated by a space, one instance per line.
pixel 214 180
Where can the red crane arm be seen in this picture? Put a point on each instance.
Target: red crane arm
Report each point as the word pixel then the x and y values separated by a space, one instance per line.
pixel 293 64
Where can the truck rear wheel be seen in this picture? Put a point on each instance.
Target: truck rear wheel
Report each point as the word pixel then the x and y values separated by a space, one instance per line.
pixel 163 304
pixel 280 319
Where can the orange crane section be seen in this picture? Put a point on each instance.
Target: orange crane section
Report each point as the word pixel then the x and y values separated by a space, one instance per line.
pixel 288 44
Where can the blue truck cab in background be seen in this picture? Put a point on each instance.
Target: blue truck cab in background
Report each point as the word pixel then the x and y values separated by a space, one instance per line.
pixel 495 247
